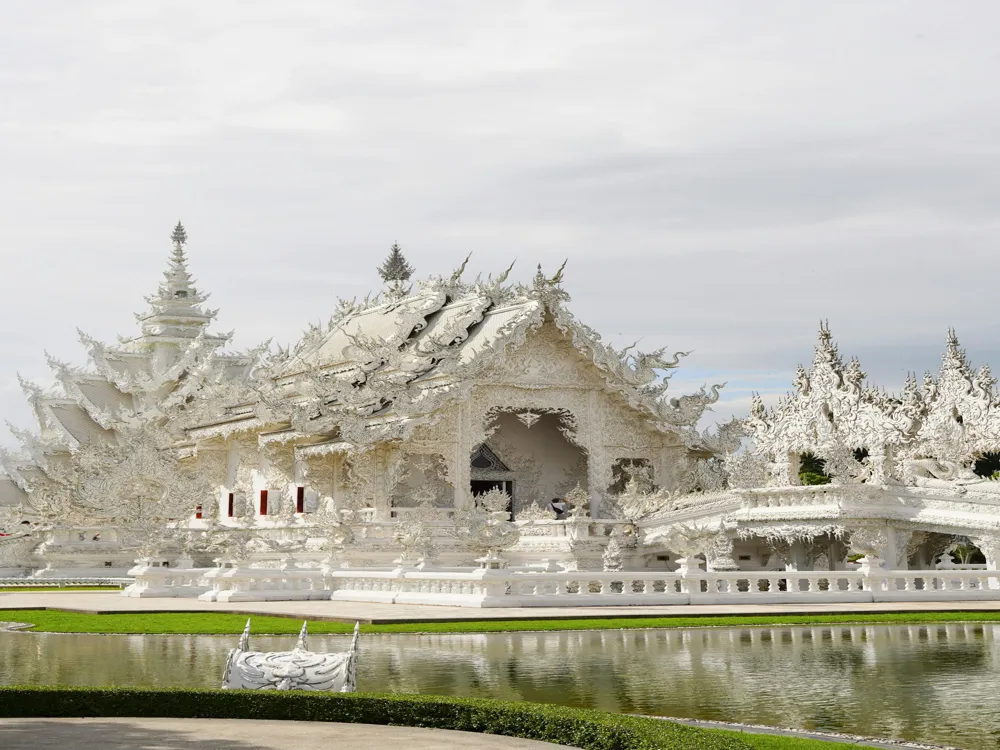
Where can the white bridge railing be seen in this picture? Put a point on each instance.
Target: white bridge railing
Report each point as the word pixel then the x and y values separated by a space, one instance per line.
pixel 521 588
pixel 498 588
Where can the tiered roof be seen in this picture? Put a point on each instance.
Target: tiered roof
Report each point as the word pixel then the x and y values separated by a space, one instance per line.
pixel 379 366
pixel 150 377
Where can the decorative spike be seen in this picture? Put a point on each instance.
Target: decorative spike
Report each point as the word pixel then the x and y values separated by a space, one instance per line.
pixel 60 368
pixel 457 273
pixel 503 276
pixel 302 644
pixel 357 633
pixel 31 389
pixel 557 279
pixel 244 644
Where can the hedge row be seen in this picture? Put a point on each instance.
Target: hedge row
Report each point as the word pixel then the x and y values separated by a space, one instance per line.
pixel 591 730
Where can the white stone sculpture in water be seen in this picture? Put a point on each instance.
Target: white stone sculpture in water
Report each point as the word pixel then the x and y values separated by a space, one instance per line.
pixel 298 669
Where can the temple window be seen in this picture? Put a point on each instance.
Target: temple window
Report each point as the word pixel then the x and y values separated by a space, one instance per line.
pixel 300 499
pixel 987 465
pixel 180 294
pixel 263 502
pixel 198 512
pixel 231 507
pixel 625 469
pixel 812 469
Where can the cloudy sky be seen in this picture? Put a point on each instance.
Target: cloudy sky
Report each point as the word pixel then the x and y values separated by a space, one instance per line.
pixel 720 175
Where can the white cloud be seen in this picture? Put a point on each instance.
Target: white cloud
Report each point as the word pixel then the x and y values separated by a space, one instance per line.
pixel 720 176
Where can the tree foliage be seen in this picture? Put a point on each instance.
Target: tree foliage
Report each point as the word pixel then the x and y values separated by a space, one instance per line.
pixel 812 470
pixel 395 269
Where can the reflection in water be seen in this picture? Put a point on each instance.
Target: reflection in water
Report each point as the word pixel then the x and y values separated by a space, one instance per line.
pixel 935 683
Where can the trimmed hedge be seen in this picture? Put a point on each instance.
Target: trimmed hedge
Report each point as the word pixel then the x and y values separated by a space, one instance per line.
pixel 591 730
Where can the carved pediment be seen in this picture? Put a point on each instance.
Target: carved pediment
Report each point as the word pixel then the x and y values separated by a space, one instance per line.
pixel 485 460
pixel 548 358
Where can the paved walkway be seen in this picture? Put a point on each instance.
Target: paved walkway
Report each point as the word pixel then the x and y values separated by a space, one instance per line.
pixel 111 602
pixel 236 734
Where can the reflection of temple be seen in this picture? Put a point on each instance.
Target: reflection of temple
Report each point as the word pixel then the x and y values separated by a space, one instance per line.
pixel 433 425
pixel 934 683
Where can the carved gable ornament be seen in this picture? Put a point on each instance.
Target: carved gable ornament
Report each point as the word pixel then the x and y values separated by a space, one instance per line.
pixel 485 460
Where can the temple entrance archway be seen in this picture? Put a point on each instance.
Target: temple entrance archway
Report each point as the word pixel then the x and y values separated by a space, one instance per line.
pixel 529 455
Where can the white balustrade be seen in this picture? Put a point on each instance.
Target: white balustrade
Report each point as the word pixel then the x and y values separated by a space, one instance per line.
pixel 525 588
pixel 244 584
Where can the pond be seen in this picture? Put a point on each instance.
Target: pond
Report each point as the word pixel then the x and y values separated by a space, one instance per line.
pixel 936 683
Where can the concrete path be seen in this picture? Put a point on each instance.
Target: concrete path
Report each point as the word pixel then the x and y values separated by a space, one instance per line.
pixel 235 734
pixel 112 602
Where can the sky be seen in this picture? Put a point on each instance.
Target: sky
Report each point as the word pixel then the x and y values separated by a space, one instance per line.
pixel 720 176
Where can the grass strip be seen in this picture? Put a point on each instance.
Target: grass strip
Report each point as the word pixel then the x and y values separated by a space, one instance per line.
pixel 229 623
pixel 775 742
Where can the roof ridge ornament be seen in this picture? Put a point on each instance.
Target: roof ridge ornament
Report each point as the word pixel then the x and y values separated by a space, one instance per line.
pixel 548 290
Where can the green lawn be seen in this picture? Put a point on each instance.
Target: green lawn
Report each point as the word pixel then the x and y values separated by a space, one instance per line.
pixel 61 621
pixel 770 742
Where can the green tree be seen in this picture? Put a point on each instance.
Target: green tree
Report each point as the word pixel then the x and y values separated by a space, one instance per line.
pixel 395 270
pixel 812 470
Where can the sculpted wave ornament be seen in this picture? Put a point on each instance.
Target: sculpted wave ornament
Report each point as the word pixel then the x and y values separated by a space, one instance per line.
pixel 486 527
pixel 298 669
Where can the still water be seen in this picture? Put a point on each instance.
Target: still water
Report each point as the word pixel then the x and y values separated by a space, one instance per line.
pixel 937 683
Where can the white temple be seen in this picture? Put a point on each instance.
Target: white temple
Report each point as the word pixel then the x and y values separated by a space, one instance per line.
pixel 412 450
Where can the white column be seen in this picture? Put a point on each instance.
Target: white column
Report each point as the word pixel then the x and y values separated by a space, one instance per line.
pixel 462 452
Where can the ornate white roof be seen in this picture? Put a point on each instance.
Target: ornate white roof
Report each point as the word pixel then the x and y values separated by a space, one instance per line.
pixel 833 412
pixel 403 357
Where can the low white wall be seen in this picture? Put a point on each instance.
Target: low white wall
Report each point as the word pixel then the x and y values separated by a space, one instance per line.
pixel 521 588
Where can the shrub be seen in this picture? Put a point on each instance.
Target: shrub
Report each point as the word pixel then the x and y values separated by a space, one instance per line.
pixel 591 730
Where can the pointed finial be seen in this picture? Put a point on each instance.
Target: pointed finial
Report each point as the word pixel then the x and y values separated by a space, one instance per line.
pixel 30 389
pixel 540 282
pixel 557 279
pixel 457 274
pixel 302 644
pixel 179 235
pixel 244 644
pixel 503 277
pixel 354 640
pixel 952 339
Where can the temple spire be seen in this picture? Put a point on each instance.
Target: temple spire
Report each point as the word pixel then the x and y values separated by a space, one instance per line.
pixel 178 282
pixel 175 311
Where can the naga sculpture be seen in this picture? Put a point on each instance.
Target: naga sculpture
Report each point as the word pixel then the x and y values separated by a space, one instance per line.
pixel 298 669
